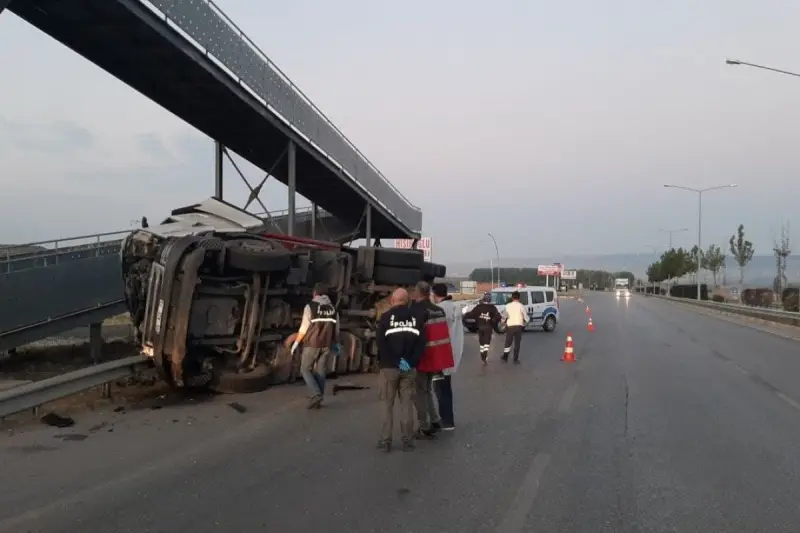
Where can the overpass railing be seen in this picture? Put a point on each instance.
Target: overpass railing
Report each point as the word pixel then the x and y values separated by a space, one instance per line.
pixel 203 24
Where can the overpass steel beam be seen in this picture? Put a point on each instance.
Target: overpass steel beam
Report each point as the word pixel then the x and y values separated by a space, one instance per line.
pixel 314 215
pixel 218 177
pixel 368 223
pixel 292 183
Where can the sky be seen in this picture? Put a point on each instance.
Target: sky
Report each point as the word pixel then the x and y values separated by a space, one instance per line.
pixel 551 125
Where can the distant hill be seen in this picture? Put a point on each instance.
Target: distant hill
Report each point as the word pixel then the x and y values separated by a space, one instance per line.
pixel 760 271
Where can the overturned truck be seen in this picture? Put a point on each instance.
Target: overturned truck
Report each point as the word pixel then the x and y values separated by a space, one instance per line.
pixel 213 296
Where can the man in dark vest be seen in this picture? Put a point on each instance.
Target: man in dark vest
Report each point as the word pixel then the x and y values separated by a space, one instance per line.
pixel 319 332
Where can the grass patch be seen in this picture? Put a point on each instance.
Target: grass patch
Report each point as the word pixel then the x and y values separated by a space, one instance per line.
pixel 119 320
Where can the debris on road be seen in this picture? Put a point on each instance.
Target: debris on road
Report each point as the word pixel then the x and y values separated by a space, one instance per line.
pixel 55 420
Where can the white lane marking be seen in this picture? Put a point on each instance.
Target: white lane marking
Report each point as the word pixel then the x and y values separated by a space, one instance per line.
pixel 514 521
pixel 788 400
pixel 566 399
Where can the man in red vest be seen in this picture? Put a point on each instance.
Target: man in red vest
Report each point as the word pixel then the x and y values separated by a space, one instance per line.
pixel 437 357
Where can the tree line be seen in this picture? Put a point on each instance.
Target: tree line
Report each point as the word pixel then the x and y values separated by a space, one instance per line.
pixel 675 263
pixel 530 276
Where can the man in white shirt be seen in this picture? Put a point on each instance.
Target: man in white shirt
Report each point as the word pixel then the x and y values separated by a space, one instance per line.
pixel 516 318
pixel 443 384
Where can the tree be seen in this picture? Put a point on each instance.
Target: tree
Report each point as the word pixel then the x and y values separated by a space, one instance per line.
pixel 675 263
pixel 654 273
pixel 714 261
pixel 741 250
pixel 694 258
pixel 782 252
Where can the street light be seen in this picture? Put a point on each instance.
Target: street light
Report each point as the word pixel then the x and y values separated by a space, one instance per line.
pixel 699 217
pixel 672 232
pixel 496 251
pixel 744 63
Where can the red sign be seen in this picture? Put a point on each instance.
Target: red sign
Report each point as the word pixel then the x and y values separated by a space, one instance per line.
pixel 549 270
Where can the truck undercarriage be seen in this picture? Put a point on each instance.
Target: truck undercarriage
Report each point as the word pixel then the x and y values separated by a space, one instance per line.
pixel 213 298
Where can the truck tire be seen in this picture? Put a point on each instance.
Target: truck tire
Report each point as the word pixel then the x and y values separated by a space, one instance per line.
pixel 392 257
pixel 385 275
pixel 253 255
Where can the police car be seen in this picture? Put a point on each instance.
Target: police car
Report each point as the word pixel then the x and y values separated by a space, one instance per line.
pixel 541 303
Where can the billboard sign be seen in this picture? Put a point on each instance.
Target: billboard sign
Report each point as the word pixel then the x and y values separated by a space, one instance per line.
pixel 469 287
pixel 569 274
pixel 549 270
pixel 425 244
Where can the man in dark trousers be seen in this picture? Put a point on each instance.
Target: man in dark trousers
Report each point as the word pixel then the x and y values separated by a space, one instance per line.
pixel 319 332
pixel 516 320
pixel 437 357
pixel 401 340
pixel 486 317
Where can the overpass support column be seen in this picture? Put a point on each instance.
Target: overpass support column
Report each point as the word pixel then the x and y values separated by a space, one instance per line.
pixel 292 183
pixel 314 215
pixel 217 168
pixel 368 224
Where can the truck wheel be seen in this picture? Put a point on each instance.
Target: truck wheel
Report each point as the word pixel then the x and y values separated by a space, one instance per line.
pixel 392 257
pixel 396 276
pixel 255 255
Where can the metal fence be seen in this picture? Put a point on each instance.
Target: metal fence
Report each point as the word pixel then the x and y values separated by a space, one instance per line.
pixel 208 28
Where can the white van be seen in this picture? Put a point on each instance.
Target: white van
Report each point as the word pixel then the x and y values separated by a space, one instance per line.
pixel 541 303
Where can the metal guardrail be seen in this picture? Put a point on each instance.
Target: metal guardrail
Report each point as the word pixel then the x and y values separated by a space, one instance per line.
pixel 790 318
pixel 30 395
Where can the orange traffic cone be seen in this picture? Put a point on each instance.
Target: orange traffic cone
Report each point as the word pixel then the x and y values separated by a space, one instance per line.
pixel 569 353
pixel 590 326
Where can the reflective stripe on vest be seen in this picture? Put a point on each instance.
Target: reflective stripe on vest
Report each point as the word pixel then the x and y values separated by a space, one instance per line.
pixel 402 329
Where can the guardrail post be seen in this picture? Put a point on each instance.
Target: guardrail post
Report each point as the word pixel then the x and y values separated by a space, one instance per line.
pixel 96 341
pixel 292 183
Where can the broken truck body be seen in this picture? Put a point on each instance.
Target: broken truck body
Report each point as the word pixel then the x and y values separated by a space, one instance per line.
pixel 213 296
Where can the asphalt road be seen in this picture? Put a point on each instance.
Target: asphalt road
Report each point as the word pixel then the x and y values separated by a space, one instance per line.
pixel 669 421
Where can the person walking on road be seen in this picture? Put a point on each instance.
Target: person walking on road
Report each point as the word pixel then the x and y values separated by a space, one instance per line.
pixel 516 320
pixel 401 341
pixel 438 356
pixel 319 332
pixel 486 317
pixel 444 386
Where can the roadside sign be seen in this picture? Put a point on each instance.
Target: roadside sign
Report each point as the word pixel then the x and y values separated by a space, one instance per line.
pixel 548 270
pixel 569 274
pixel 425 244
pixel 469 287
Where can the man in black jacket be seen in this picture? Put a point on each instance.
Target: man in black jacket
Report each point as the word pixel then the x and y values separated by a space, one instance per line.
pixel 401 340
pixel 486 317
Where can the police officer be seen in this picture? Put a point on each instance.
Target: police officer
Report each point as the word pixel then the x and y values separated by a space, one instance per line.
pixel 486 317
pixel 319 332
pixel 401 341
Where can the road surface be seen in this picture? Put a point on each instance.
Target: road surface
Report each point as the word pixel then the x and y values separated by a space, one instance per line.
pixel 670 421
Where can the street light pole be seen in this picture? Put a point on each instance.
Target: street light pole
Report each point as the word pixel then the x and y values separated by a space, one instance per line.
pixel 699 218
pixel 744 63
pixel 673 232
pixel 497 252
